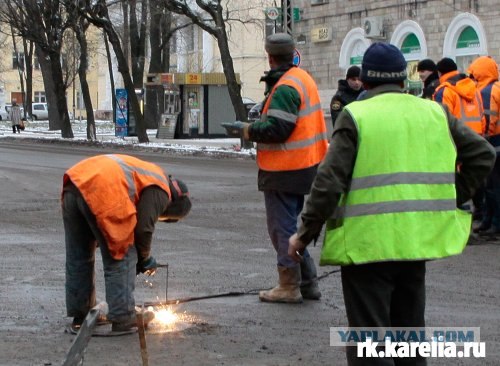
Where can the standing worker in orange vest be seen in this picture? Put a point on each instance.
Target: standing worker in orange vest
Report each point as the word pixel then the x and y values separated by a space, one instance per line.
pixel 113 201
pixel 485 71
pixel 291 141
pixel 460 94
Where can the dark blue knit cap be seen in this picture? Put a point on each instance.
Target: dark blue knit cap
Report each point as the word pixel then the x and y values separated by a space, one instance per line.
pixel 383 63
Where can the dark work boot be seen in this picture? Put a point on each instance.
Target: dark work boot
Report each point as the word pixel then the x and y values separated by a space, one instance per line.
pixel 491 234
pixel 288 288
pixel 309 284
pixel 13 129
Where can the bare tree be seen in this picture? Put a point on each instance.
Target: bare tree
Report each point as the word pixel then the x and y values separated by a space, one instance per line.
pixel 97 13
pixel 210 16
pixel 44 22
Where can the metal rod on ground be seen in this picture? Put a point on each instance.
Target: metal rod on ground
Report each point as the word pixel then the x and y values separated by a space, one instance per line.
pixel 166 282
pixel 80 343
pixel 142 337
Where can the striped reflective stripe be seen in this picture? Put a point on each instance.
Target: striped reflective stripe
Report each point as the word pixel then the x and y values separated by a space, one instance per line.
pixel 465 118
pixel 308 109
pixel 402 178
pixel 293 144
pixel 289 117
pixel 394 207
pixel 128 172
pixel 490 112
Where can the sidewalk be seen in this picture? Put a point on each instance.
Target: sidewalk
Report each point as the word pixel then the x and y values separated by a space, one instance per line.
pixel 106 135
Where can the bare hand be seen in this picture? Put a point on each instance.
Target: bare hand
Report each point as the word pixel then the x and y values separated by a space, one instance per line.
pixel 296 248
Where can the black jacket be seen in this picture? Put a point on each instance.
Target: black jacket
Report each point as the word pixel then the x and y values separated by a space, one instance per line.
pixel 344 95
pixel 430 85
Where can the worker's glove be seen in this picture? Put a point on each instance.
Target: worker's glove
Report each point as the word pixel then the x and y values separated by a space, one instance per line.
pixel 237 129
pixel 147 266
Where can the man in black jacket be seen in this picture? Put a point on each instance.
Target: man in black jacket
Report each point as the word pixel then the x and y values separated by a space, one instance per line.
pixel 347 92
pixel 427 71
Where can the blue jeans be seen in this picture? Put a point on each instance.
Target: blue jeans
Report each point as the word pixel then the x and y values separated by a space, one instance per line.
pixel 282 211
pixel 82 237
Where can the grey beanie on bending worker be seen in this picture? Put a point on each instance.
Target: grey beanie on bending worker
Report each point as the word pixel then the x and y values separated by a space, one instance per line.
pixel 279 44
pixel 180 204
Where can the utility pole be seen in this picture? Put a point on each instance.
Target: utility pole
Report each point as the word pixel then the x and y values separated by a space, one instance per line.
pixel 286 9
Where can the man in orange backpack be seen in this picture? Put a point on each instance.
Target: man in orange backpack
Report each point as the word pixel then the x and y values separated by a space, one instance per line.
pixel 485 71
pixel 460 94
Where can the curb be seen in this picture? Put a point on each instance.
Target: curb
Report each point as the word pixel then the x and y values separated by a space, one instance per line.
pixel 167 149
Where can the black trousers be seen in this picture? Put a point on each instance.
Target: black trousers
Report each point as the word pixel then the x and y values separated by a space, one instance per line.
pixel 386 294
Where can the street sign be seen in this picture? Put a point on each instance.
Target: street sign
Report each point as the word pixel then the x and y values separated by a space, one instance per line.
pixel 272 13
pixel 296 14
pixel 296 57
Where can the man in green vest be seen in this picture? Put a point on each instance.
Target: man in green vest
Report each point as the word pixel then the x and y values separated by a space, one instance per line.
pixel 388 189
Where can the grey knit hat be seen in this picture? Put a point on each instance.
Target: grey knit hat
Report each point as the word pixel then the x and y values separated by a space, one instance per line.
pixel 280 44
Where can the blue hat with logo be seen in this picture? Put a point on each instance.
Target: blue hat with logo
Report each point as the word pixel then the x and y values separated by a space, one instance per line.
pixel 383 63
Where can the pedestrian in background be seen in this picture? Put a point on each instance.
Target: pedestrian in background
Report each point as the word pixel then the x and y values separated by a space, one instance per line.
pixel 460 94
pixel 388 189
pixel 291 141
pixel 348 91
pixel 427 71
pixel 114 201
pixel 15 117
pixel 484 71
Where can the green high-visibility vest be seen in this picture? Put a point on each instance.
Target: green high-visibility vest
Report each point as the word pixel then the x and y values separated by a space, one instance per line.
pixel 401 204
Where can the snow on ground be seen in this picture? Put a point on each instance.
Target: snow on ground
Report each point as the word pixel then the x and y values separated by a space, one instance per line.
pixel 106 134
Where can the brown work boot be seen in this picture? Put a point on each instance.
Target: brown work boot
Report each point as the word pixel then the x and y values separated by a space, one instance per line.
pixel 126 325
pixel 287 290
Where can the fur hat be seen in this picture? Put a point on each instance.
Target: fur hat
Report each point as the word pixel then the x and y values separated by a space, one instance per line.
pixel 383 63
pixel 280 44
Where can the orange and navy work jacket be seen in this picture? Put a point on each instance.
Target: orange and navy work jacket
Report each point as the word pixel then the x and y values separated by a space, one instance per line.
pixel 461 96
pixel 111 186
pixel 485 71
pixel 307 144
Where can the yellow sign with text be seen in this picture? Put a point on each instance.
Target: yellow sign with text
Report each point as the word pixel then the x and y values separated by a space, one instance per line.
pixel 322 34
pixel 193 78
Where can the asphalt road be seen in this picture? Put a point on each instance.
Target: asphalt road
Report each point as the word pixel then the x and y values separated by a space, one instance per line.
pixel 222 246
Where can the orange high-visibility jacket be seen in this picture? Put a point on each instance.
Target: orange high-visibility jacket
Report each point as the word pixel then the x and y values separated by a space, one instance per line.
pixel 111 185
pixel 459 93
pixel 485 71
pixel 307 144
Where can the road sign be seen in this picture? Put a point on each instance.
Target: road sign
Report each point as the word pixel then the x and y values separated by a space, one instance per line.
pixel 296 57
pixel 272 13
pixel 296 14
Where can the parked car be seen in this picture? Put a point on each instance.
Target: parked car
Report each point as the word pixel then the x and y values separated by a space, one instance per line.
pixel 39 111
pixel 254 112
pixel 4 116
pixel 249 103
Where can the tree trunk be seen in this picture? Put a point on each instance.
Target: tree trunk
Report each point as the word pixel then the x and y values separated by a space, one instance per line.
pixel 82 74
pixel 111 77
pixel 28 57
pixel 60 93
pixel 154 94
pixel 48 83
pixel 232 84
pixel 127 80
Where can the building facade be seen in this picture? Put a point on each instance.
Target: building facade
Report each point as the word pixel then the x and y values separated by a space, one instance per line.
pixel 333 35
